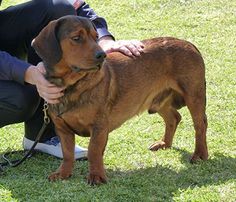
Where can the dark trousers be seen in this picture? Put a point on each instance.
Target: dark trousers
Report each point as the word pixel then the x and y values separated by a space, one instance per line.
pixel 18 26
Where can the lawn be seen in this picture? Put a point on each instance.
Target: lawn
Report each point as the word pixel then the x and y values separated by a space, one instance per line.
pixel 135 173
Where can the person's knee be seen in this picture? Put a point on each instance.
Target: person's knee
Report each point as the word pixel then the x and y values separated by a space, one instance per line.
pixel 28 101
pixel 24 102
pixel 57 8
pixel 18 103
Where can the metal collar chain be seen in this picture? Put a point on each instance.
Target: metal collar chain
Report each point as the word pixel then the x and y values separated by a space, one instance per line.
pixel 45 111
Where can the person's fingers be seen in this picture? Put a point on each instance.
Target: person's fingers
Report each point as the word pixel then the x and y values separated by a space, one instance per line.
pixel 50 95
pixel 51 98
pixel 124 50
pixel 138 44
pixel 41 67
pixel 129 47
pixel 51 90
pixel 133 49
pixel 48 91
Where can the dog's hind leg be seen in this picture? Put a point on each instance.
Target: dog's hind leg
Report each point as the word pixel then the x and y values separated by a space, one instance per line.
pixel 171 118
pixel 196 105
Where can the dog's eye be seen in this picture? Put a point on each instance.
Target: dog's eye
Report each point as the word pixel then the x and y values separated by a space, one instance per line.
pixel 76 39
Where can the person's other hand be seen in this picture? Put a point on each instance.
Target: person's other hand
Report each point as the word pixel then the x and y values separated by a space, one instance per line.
pixel 127 47
pixel 48 91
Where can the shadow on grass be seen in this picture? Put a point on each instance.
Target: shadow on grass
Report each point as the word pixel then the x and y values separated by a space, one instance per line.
pixel 162 183
pixel 158 183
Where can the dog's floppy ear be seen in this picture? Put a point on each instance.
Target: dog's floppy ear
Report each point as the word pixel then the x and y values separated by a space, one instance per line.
pixel 46 44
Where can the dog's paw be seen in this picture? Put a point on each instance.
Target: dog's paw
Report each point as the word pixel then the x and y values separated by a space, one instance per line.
pixel 198 156
pixel 96 179
pixel 158 145
pixel 59 176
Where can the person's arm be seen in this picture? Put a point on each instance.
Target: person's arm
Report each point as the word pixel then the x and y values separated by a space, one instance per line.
pixel 11 68
pixel 14 69
pixel 100 23
pixel 106 39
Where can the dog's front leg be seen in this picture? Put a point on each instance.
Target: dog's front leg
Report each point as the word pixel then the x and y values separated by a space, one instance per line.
pixel 68 148
pixel 97 144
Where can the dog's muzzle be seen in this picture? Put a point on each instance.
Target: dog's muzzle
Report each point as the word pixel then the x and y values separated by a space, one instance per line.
pixel 99 58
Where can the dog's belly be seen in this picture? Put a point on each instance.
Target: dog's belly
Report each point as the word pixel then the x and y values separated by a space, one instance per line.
pixel 81 130
pixel 137 106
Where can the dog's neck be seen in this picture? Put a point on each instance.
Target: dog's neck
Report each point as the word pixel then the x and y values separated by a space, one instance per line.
pixel 76 85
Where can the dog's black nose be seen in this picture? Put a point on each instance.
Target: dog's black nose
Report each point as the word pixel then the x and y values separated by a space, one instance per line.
pixel 100 55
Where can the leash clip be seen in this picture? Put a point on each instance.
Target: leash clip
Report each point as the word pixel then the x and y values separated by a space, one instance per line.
pixel 45 110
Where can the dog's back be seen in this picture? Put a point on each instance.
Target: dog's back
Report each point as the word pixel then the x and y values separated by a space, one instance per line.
pixel 167 68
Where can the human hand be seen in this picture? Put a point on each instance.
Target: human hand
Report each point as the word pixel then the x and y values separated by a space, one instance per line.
pixel 48 91
pixel 127 47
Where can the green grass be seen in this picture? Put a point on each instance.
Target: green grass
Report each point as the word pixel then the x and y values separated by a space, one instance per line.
pixel 135 173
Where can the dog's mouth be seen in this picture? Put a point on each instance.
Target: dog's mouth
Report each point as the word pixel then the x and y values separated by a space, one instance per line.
pixel 99 66
pixel 79 69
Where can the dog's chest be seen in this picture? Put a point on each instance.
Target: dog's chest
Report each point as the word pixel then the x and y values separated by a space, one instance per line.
pixel 78 118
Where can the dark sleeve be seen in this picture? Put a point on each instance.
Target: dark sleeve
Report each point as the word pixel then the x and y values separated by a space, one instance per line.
pixel 99 22
pixel 12 68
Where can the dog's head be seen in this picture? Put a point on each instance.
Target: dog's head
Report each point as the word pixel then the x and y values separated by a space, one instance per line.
pixel 69 43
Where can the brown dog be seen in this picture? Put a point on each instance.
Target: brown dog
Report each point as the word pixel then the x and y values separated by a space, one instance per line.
pixel 102 94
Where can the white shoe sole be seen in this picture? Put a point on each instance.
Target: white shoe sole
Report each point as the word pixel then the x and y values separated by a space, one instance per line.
pixel 80 152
